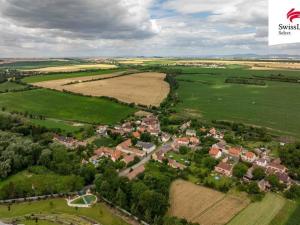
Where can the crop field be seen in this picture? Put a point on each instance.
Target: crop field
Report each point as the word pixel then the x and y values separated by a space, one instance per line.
pixel 204 93
pixel 141 88
pixel 57 76
pixel 64 106
pixel 203 205
pixel 71 68
pixel 56 211
pixel 260 213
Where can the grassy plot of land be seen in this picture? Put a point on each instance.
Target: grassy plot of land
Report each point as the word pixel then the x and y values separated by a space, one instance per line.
pixel 65 106
pixel 71 68
pixel 57 76
pixel 38 184
pixel 260 213
pixel 204 93
pixel 98 212
pixel 288 215
pixel 203 205
pixel 7 86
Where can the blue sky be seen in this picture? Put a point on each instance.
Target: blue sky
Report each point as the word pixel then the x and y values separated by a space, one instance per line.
pixel 66 28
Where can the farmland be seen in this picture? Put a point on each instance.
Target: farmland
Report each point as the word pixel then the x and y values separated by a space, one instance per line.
pixel 65 106
pixel 57 76
pixel 203 93
pixel 142 88
pixel 202 205
pixel 57 210
pixel 8 86
pixel 72 68
pixel 260 213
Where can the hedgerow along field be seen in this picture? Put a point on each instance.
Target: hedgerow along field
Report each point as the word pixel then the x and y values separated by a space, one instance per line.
pixel 64 106
pixel 58 76
pixel 58 207
pixel 203 93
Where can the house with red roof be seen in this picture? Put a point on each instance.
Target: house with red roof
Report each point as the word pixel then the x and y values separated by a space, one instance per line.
pixel 215 153
pixel 224 168
pixel 249 157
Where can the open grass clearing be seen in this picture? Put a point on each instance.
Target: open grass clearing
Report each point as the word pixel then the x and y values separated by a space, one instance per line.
pixel 8 86
pixel 99 212
pixel 65 106
pixel 207 95
pixel 203 205
pixel 71 68
pixel 260 213
pixel 58 76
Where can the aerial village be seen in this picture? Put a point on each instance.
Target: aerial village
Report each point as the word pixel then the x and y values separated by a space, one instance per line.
pixel 135 153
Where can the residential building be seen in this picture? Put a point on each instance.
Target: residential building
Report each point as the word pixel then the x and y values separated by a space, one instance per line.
pixel 146 146
pixel 102 130
pixel 135 172
pixel 224 168
pixel 191 133
pixel 249 157
pixel 215 153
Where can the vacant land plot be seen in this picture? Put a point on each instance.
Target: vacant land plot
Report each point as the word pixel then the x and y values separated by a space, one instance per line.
pixel 65 106
pixel 8 86
pixel 142 88
pixel 73 68
pixel 260 213
pixel 204 93
pixel 58 207
pixel 203 205
pixel 57 76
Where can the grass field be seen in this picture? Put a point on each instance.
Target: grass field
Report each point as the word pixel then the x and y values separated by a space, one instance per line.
pixel 260 213
pixel 57 76
pixel 203 205
pixel 47 181
pixel 288 215
pixel 65 106
pixel 99 212
pixel 7 86
pixel 204 93
pixel 72 68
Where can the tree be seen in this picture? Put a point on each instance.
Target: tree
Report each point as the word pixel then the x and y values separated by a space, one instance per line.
pixel 121 199
pixel 258 173
pixel 183 150
pixel 239 170
pixel 146 137
pixel 293 192
pixel 88 172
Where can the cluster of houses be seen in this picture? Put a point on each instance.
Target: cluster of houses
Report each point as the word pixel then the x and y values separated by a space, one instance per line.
pixel 259 157
pixel 69 142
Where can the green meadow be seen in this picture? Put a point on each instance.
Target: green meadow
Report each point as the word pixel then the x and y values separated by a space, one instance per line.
pixel 7 86
pixel 58 76
pixel 65 106
pixel 203 93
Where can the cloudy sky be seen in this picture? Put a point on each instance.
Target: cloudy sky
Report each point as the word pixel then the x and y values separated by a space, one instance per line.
pixel 60 28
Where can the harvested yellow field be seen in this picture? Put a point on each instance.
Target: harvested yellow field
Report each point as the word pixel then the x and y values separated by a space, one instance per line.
pixel 203 205
pixel 255 65
pixel 73 68
pixel 141 88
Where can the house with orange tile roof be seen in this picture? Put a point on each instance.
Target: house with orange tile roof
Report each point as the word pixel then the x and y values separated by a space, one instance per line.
pixel 215 153
pixel 249 157
pixel 126 147
pixel 235 152
pixel 176 165
pixel 128 158
pixel 224 168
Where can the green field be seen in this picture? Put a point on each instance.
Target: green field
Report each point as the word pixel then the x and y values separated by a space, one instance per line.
pixel 204 93
pixel 39 64
pixel 23 182
pixel 99 212
pixel 260 213
pixel 7 86
pixel 58 76
pixel 288 215
pixel 65 106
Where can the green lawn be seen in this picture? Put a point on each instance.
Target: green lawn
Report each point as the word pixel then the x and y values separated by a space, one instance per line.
pixel 57 76
pixel 203 93
pixel 105 142
pixel 99 212
pixel 260 213
pixel 65 106
pixel 288 215
pixel 38 184
pixel 10 86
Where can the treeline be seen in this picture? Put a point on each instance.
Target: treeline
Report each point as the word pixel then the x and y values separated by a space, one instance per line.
pixel 247 81
pixel 146 197
pixel 23 145
pixel 278 77
pixel 290 157
pixel 250 133
pixel 9 73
